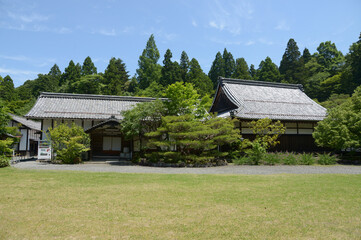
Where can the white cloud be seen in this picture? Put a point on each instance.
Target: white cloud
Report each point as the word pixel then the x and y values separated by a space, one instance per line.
pixel 249 43
pixel 16 71
pixel 34 17
pixel 15 58
pixel 106 32
pixel 282 26
pixel 230 16
pixel 265 41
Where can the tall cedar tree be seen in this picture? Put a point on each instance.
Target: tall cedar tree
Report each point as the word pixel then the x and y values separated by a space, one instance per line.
pixel 253 72
pixel 351 75
pixel 306 56
pixel 198 78
pixel 88 67
pixel 89 84
pixel 171 71
pixel 45 83
pixel 184 65
pixel 7 90
pixel 291 67
pixel 241 70
pixel 268 71
pixel 329 57
pixel 354 61
pixel 55 71
pixel 115 77
pixel 71 73
pixel 148 70
pixel 229 64
pixel 217 69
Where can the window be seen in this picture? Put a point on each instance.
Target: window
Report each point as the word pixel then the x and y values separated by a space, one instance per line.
pixel 112 143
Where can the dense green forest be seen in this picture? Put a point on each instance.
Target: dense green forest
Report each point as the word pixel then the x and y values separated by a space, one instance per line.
pixel 327 75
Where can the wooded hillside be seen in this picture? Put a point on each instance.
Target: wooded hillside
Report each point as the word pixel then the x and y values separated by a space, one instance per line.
pixel 328 75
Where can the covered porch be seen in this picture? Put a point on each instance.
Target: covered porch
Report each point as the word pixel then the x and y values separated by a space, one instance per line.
pixel 108 142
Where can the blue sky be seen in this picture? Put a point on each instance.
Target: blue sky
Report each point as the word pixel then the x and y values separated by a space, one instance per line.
pixel 38 33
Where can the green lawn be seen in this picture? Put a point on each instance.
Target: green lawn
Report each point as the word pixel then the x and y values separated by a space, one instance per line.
pixel 80 205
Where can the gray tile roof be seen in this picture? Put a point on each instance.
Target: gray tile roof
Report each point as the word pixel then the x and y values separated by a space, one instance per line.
pixel 256 100
pixel 26 122
pixel 82 106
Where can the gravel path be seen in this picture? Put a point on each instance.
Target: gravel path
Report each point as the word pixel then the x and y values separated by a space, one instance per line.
pixel 262 170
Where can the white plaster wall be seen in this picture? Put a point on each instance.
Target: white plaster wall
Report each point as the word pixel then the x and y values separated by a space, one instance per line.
pixel 22 143
pixel 46 126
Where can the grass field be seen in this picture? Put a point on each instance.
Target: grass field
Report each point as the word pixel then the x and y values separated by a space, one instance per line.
pixel 79 205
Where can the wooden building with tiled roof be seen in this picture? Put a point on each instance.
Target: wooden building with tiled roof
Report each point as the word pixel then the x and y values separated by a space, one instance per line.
pixel 250 100
pixel 99 115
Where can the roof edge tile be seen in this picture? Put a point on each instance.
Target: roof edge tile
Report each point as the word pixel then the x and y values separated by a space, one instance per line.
pixel 259 83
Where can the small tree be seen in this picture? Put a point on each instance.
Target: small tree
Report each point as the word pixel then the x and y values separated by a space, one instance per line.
pixel 69 142
pixel 184 99
pixel 267 133
pixel 341 129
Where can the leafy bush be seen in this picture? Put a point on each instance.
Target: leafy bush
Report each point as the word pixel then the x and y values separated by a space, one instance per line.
pixel 5 152
pixel 242 160
pixel 4 161
pixel 307 159
pixel 326 159
pixel 68 143
pixel 271 158
pixel 289 159
pixel 256 153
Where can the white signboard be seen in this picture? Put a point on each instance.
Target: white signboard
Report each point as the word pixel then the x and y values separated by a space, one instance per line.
pixel 44 150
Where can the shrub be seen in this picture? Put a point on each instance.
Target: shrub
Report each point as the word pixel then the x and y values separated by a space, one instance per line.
pixel 256 153
pixel 242 160
pixel 4 161
pixel 326 159
pixel 271 158
pixel 307 159
pixel 289 159
pixel 68 143
pixel 5 152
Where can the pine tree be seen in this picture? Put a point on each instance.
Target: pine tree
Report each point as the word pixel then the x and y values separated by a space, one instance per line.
pixel 55 74
pixel 88 67
pixel 306 56
pixel 71 73
pixel 229 64
pixel 354 60
pixel 291 67
pixel 242 70
pixel 115 77
pixel 268 71
pixel 171 71
pixel 55 71
pixel 198 78
pixel 148 70
pixel 184 65
pixel 7 90
pixel 253 72
pixel 217 69
pixel 184 139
